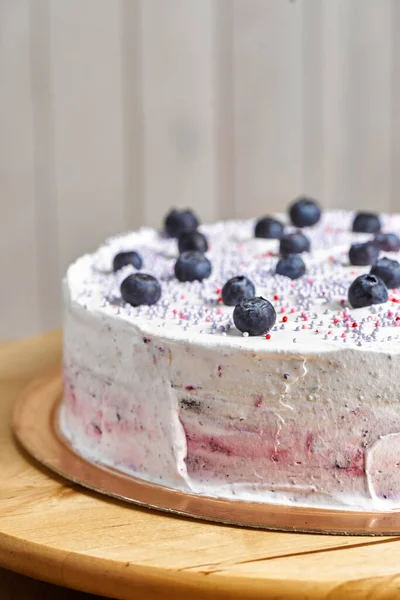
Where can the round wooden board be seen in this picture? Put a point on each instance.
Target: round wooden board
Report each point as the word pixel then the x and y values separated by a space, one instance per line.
pixel 64 534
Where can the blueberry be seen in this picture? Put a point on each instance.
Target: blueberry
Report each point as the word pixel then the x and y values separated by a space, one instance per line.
pixel 294 243
pixel 140 288
pixel 192 240
pixel 254 315
pixel 304 212
pixel 363 254
pixel 180 221
pixel 366 222
pixel 367 290
pixel 291 266
pixel 127 258
pixel 237 289
pixel 268 228
pixel 389 271
pixel 389 242
pixel 191 266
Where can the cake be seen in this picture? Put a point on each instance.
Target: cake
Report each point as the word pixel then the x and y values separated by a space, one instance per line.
pixel 306 414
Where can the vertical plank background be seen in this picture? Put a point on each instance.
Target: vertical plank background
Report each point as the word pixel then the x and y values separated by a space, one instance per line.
pixel 268 104
pixel 111 112
pixel 20 297
pixel 178 106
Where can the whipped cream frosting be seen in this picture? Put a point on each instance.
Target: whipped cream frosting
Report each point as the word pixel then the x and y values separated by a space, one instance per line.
pixel 175 394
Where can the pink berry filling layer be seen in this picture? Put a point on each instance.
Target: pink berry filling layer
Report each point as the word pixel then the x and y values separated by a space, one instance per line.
pixel 336 454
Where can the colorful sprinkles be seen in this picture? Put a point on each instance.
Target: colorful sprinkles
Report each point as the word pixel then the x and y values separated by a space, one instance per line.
pixel 316 303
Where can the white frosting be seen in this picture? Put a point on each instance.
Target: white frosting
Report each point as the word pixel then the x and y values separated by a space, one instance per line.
pixel 176 395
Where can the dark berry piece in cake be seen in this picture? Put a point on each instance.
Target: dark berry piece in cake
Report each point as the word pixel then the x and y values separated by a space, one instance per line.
pixel 294 243
pixel 268 228
pixel 237 289
pixel 388 242
pixel 388 270
pixel 291 266
pixel 122 259
pixel 140 288
pixel 363 254
pixel 366 222
pixel 256 316
pixel 192 266
pixel 304 212
pixel 192 240
pixel 367 290
pixel 180 221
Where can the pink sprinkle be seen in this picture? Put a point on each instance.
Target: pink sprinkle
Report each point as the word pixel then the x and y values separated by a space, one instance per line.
pixel 219 310
pixel 208 319
pixel 182 297
pixel 283 309
pixel 329 332
pixel 258 400
pixel 335 321
pixel 309 281
pixel 343 335
pixel 292 310
pixel 175 311
pixel 377 324
pixel 390 314
pixel 304 326
pixel 182 316
pixel 317 331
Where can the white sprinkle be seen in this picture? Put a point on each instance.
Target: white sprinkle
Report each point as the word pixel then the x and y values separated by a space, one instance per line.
pixel 245 334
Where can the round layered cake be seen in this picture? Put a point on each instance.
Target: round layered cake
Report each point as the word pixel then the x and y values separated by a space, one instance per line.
pixel 160 383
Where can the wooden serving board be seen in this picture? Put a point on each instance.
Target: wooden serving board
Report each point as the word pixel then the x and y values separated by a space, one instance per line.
pixel 61 533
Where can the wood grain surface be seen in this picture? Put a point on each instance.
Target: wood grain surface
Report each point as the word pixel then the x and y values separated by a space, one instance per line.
pixel 59 533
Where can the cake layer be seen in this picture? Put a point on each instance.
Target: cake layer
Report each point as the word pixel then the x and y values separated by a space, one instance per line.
pixel 174 394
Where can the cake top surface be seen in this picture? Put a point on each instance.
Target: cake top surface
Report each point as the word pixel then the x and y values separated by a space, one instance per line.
pixel 313 312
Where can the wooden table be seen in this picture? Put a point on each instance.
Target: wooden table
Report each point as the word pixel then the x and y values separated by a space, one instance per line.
pixel 67 536
pixel 19 362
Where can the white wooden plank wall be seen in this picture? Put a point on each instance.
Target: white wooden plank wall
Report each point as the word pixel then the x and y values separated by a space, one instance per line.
pixel 111 112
